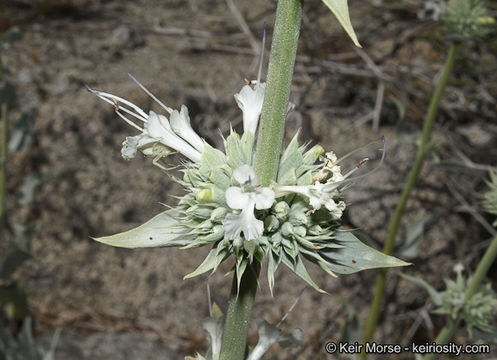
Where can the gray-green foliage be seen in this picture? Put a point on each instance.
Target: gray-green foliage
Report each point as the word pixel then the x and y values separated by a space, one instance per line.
pixel 24 346
pixel 478 312
pixel 293 231
pixel 466 19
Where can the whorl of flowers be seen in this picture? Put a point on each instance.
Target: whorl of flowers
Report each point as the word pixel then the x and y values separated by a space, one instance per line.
pixel 225 208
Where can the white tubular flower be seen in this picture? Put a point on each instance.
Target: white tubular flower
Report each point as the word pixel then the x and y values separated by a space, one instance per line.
pixel 156 128
pixel 246 197
pixel 250 101
pixel 180 123
pixel 318 194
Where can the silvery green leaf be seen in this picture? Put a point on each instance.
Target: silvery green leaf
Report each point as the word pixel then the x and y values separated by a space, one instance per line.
pixel 414 236
pixel 290 160
pixel 355 256
pixel 239 151
pixel 435 296
pixel 209 263
pixel 298 267
pixel 340 9
pixel 161 230
pixel 241 265
pixel 273 262
pixel 211 159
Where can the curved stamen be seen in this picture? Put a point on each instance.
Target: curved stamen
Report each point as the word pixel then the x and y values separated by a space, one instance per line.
pixel 362 162
pixel 112 99
pixel 168 109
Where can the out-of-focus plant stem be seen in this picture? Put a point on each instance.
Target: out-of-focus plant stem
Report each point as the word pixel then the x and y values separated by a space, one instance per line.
pixel 450 328
pixel 267 156
pixel 3 154
pixel 423 149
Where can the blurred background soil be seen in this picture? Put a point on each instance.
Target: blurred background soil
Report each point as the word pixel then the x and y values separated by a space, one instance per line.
pixel 133 304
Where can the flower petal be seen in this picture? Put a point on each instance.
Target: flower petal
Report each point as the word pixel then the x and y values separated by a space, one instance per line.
pixel 250 102
pixel 264 198
pixel 236 198
pixel 244 222
pixel 156 125
pixel 180 124
pixel 245 173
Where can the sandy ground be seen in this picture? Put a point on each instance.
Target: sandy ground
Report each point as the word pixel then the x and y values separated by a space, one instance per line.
pixel 133 304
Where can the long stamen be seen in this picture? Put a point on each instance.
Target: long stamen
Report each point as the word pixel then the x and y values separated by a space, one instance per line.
pixel 262 55
pixel 362 162
pixel 111 99
pixel 168 109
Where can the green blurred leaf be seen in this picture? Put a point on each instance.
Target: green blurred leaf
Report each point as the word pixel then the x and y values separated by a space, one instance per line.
pixel 12 35
pixel 340 9
pixel 414 236
pixel 28 188
pixel 435 296
pixel 20 137
pixel 14 301
pixel 352 330
pixel 7 92
pixel 11 260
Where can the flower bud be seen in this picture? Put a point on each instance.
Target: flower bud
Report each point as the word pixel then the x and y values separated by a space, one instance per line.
pixel 281 210
pixel 313 154
pixel 271 223
pixel 287 229
pixel 218 214
pixel 204 196
pixel 300 230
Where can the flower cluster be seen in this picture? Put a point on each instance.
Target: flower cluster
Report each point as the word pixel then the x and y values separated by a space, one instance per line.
pixel 224 207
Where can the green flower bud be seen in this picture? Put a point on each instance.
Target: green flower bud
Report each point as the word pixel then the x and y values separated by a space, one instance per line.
pixel 218 214
pixel 287 229
pixel 298 218
pixel 271 223
pixel 315 230
pixel 238 243
pixel 204 196
pixel 281 210
pixel 276 239
pixel 250 246
pixel 313 154
pixel 200 211
pixel 300 230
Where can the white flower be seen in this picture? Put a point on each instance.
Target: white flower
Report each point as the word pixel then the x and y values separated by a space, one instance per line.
pixel 318 194
pixel 180 123
pixel 248 196
pixel 156 127
pixel 250 101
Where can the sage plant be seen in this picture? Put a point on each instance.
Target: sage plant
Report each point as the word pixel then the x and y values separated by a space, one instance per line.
pixel 251 201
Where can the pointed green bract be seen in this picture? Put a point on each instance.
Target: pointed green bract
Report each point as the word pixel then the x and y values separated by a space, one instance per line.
pixel 355 256
pixel 161 230
pixel 340 9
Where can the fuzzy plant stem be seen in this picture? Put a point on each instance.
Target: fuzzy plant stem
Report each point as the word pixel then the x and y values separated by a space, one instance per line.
pixel 450 328
pixel 279 82
pixel 267 157
pixel 423 149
